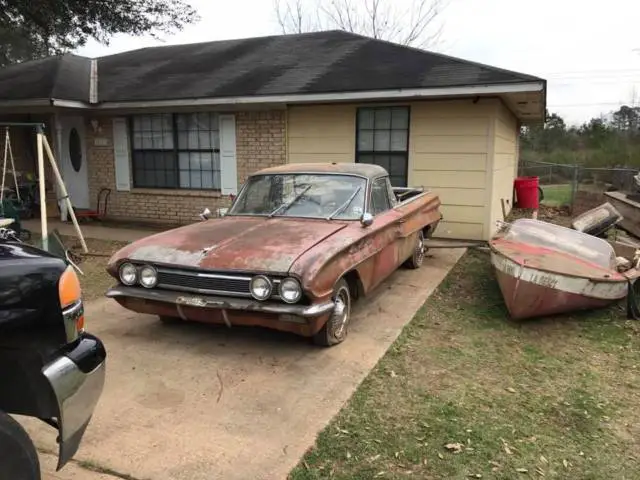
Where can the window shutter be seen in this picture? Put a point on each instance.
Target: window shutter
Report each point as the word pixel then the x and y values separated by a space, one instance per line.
pixel 228 165
pixel 121 154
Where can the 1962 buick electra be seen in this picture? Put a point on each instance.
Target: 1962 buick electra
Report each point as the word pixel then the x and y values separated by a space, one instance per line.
pixel 296 247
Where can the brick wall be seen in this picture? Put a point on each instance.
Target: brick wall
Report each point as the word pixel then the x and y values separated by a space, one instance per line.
pixel 260 143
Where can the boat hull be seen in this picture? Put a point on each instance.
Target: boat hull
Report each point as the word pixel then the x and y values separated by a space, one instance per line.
pixel 529 292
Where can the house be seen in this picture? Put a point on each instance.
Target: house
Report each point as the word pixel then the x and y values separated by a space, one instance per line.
pixel 171 130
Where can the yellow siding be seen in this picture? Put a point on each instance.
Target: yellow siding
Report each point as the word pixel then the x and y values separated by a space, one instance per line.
pixel 467 231
pixel 504 164
pixel 321 133
pixel 463 151
pixel 450 154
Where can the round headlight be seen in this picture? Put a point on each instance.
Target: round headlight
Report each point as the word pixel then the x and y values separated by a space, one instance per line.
pixel 290 290
pixel 128 274
pixel 148 276
pixel 261 287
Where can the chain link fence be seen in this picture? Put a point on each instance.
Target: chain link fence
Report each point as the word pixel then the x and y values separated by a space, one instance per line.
pixel 577 187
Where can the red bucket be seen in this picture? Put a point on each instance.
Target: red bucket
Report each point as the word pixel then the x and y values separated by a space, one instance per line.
pixel 527 192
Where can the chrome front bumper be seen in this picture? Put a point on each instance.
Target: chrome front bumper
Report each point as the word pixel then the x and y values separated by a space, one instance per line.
pixel 77 380
pixel 224 303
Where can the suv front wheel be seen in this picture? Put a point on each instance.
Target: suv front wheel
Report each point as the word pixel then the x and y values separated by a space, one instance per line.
pixel 18 456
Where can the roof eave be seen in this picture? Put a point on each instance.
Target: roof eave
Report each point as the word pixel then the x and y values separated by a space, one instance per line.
pixel 410 93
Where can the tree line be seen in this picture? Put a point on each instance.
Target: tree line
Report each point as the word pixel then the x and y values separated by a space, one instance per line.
pixel 607 141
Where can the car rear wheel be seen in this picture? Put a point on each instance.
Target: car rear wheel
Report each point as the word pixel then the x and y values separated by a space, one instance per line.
pixel 18 457
pixel 336 328
pixel 417 258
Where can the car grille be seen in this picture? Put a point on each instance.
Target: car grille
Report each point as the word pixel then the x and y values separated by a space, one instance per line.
pixel 207 283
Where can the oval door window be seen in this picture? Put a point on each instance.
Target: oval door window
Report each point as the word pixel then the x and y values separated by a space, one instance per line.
pixel 75 150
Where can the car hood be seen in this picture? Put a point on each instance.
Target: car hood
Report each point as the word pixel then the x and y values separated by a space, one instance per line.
pixel 251 244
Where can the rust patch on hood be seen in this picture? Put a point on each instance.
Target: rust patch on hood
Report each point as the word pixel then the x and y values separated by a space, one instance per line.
pixel 254 244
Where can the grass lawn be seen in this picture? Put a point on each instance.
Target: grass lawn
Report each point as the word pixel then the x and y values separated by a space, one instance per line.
pixel 556 195
pixel 467 393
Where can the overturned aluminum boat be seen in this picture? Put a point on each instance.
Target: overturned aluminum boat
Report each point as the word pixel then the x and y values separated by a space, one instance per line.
pixel 545 269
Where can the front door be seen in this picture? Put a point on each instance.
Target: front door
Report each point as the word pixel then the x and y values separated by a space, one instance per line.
pixel 73 159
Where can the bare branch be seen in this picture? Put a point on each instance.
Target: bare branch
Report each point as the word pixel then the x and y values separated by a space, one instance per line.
pixel 382 19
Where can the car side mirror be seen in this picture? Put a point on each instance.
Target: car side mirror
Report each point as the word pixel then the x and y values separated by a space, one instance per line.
pixel 367 219
pixel 205 215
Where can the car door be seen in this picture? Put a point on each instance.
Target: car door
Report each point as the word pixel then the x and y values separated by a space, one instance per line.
pixel 385 230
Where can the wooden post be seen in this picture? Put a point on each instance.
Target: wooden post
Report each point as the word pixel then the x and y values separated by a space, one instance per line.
pixel 65 194
pixel 43 193
pixel 4 163
pixel 13 166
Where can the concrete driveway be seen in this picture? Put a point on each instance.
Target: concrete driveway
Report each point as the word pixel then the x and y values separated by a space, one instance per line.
pixel 200 402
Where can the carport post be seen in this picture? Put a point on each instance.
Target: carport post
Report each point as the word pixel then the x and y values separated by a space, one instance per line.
pixel 65 193
pixel 43 193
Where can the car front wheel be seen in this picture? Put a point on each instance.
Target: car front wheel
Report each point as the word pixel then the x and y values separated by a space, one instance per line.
pixel 336 328
pixel 18 456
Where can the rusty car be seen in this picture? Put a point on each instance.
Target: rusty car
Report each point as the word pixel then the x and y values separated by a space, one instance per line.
pixel 297 246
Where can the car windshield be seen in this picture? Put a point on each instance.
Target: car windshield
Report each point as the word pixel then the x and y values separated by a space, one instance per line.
pixel 302 195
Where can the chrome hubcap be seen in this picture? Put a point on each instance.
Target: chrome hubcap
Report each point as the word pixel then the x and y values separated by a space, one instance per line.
pixel 340 315
pixel 420 250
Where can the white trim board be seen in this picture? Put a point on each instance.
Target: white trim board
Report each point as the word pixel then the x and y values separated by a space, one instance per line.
pixel 409 93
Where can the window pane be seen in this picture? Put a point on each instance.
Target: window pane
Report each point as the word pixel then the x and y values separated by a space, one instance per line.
pixel 365 140
pixel 145 123
pixel 207 179
pixel 171 178
pixel 137 140
pixel 168 140
pixel 196 179
pixel 383 118
pixel 400 118
pixel 192 141
pixel 182 140
pixel 194 161
pixel 215 139
pixel 156 123
pixel 204 122
pixel 216 161
pixel 147 140
pixel 183 161
pixel 216 179
pixel 365 118
pixel 184 179
pixel 382 140
pixel 206 161
pixel 204 139
pixel 399 140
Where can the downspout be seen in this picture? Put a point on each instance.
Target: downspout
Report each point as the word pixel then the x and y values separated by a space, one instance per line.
pixel 93 82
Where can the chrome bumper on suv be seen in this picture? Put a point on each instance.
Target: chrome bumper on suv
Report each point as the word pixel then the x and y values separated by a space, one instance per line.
pixel 76 378
pixel 219 302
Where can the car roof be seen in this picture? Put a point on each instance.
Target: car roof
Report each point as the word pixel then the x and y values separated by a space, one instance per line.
pixel 362 169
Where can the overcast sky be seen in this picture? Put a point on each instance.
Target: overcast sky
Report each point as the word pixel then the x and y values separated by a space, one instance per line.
pixel 589 51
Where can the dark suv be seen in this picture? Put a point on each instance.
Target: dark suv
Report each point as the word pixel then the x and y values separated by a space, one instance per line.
pixel 50 368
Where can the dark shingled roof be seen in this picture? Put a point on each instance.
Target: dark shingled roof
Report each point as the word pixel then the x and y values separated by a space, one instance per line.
pixel 320 62
pixel 63 77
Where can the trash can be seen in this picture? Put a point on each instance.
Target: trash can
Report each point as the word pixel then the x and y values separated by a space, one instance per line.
pixel 527 195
